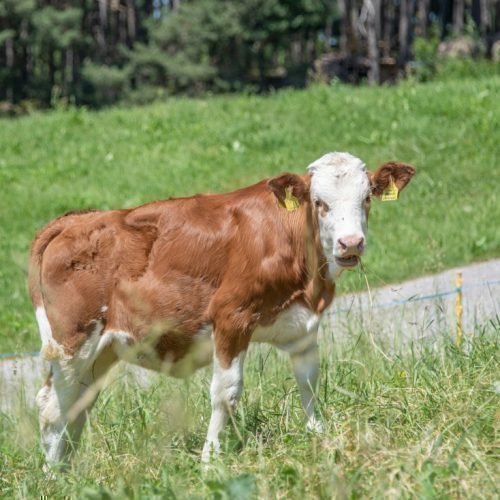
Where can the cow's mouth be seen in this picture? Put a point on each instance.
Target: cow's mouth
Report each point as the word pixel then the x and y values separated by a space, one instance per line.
pixel 350 261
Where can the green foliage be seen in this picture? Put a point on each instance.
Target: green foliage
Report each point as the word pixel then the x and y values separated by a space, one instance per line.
pixel 51 51
pixel 66 160
pixel 16 8
pixel 428 64
pixel 453 69
pixel 425 50
pixel 214 44
pixel 198 45
pixel 149 65
pixel 57 28
pixel 106 83
pixel 6 35
pixel 146 94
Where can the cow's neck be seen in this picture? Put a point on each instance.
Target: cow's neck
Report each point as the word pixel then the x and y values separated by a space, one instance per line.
pixel 321 288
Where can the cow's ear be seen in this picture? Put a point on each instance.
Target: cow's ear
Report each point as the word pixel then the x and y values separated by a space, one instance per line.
pixel 400 173
pixel 289 184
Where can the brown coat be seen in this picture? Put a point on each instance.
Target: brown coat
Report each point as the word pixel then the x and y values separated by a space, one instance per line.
pixel 233 261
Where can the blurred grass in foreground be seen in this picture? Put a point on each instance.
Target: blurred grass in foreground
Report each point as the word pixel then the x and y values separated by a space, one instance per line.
pixel 52 163
pixel 423 424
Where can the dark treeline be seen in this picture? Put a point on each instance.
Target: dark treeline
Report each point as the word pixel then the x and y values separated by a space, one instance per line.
pixel 96 52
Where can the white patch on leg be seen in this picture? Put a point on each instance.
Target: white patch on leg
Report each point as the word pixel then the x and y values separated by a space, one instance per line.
pixel 43 324
pixel 54 402
pixel 50 350
pixel 295 331
pixel 225 392
pixel 306 370
pixel 73 388
pixel 315 425
pixel 51 424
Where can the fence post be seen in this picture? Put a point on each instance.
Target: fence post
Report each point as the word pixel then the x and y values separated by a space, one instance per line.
pixel 459 308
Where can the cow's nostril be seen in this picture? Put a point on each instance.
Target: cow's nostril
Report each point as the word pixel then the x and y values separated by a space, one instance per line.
pixel 351 244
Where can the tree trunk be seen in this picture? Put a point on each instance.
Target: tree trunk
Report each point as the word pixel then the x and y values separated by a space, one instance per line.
pixel 23 65
pixel 422 17
pixel 496 28
pixel 353 39
pixel 371 7
pixel 458 16
pixel 377 4
pixel 10 60
pixel 403 32
pixel 445 17
pixel 52 72
pixel 131 22
pixel 122 19
pixel 102 27
pixel 405 17
pixel 349 23
pixel 344 8
pixel 388 23
pixel 69 71
pixel 485 16
pixel 328 28
pixel 103 13
pixel 64 79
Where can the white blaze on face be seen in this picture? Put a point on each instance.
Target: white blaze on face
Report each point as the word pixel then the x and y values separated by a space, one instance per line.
pixel 340 189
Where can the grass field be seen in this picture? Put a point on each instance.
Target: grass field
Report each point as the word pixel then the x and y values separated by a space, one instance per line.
pixel 418 425
pixel 415 424
pixel 52 163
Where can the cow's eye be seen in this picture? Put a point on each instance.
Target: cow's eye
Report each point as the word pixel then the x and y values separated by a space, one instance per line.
pixel 368 199
pixel 322 207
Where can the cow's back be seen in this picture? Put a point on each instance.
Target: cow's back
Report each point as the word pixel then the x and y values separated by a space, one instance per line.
pixel 175 267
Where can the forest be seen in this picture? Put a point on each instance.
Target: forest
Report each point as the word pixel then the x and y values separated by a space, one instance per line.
pixel 98 52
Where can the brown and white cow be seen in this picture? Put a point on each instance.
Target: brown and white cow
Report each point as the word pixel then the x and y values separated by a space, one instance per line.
pixel 174 285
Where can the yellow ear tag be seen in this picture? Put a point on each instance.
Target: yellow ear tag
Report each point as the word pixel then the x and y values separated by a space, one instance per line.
pixel 391 192
pixel 291 202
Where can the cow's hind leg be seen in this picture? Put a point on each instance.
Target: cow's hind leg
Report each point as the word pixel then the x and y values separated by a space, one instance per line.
pixel 64 401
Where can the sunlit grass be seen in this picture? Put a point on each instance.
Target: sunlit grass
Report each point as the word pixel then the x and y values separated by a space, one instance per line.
pixel 52 163
pixel 418 424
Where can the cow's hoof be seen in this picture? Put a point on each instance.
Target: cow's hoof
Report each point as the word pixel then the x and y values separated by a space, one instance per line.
pixel 314 425
pixel 210 452
pixel 50 472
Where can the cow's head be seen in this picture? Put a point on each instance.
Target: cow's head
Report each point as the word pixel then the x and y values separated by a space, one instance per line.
pixel 341 190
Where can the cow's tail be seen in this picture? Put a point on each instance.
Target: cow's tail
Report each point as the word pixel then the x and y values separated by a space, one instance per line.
pixel 50 350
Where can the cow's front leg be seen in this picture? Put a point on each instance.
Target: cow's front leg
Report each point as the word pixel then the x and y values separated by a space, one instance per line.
pixel 225 392
pixel 306 370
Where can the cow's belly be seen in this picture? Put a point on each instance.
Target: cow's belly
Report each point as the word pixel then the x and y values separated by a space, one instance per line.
pixel 145 355
pixel 294 330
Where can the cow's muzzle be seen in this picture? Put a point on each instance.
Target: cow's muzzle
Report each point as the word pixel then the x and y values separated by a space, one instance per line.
pixel 349 250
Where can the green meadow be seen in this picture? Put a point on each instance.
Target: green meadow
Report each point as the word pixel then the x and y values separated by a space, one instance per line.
pixel 52 163
pixel 421 424
pixel 72 159
pixel 411 424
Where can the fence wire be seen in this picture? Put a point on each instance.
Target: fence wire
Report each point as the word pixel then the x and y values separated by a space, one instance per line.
pixel 392 303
